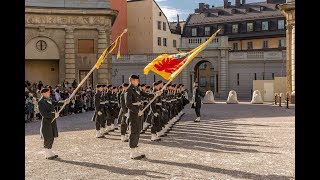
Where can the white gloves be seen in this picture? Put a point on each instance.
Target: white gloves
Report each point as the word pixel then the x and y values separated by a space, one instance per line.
pixel 140 113
pixel 56 115
pixel 99 113
pixel 156 114
pixel 158 93
pixel 67 101
pixel 126 115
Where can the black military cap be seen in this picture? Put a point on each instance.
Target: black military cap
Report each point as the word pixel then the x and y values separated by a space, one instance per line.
pixel 134 76
pixel 169 85
pixel 143 85
pixel 103 85
pixel 109 86
pixel 173 85
pixel 160 81
pixel 125 84
pixel 114 87
pixel 147 87
pixel 156 83
pixel 99 85
pixel 120 87
pixel 44 90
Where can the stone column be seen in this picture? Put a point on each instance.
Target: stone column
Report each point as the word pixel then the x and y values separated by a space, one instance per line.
pixel 70 55
pixel 288 62
pixel 103 71
pixel 293 59
pixel 223 75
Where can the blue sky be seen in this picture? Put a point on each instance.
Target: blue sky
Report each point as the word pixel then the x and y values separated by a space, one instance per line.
pixel 184 7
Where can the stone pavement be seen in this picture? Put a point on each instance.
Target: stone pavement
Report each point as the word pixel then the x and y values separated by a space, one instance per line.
pixel 232 141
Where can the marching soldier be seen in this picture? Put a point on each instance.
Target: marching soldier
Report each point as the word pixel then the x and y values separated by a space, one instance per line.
pixel 115 106
pixel 99 114
pixel 123 114
pixel 196 100
pixel 109 109
pixel 120 89
pixel 133 101
pixel 156 113
pixel 48 129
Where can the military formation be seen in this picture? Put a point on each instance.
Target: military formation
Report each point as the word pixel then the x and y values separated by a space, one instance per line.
pixel 124 106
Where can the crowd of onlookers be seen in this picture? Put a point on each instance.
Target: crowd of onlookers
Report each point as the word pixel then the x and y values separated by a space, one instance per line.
pixel 81 102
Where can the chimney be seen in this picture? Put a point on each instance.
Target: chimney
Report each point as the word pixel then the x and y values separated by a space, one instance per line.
pixel 178 28
pixel 201 6
pixel 178 18
pixel 243 1
pixel 225 3
pixel 237 3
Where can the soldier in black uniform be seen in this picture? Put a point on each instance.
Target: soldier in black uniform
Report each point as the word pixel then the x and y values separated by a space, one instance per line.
pixel 115 107
pixel 110 108
pixel 120 89
pixel 48 129
pixel 196 100
pixel 99 114
pixel 123 114
pixel 156 114
pixel 134 103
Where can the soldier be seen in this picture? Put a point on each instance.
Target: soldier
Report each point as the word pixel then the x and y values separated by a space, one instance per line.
pixel 120 89
pixel 123 114
pixel 115 106
pixel 48 129
pixel 110 108
pixel 133 101
pixel 196 100
pixel 99 114
pixel 156 113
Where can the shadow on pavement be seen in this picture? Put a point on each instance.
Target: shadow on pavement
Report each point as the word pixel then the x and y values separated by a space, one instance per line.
pixel 113 169
pixel 232 173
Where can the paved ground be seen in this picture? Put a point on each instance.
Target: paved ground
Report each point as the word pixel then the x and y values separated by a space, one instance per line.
pixel 233 141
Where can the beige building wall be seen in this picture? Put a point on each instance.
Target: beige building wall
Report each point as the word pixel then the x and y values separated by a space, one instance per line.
pixel 140 27
pixel 258 43
pixel 143 32
pixel 163 33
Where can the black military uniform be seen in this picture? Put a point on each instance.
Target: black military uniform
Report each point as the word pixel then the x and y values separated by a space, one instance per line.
pixel 48 129
pixel 156 115
pixel 99 114
pixel 133 101
pixel 196 99
pixel 123 115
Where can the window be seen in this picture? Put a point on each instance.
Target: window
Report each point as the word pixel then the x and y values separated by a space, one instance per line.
pixel 86 46
pixel 202 66
pixel 159 25
pixel 235 46
pixel 207 31
pixel 164 41
pixel 272 76
pixel 238 82
pixel 249 45
pixel 194 32
pixel 203 82
pixel 255 76
pixel 280 24
pixel 164 26
pixel 265 26
pixel 222 29
pixel 265 44
pixel 212 80
pixel 174 43
pixel 235 28
pixel 160 13
pixel 249 27
pixel 281 43
pixel 159 41
pixel 41 45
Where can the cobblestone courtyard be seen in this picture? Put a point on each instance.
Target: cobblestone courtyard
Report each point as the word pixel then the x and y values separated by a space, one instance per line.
pixel 232 141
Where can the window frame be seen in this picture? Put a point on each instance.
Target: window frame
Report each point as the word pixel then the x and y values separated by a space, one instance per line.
pixel 159 41
pixel 283 23
pixel 201 83
pixel 251 45
pixel 247 26
pixel 159 25
pixel 235 25
pixel 207 33
pixel 267 25
pixel 192 32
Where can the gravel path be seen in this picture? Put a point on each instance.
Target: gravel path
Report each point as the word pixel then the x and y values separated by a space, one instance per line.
pixel 232 141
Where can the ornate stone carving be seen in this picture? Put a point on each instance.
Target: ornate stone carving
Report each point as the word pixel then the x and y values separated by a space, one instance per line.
pixel 66 20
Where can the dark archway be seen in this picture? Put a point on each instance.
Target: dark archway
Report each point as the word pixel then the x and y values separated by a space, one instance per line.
pixel 206 75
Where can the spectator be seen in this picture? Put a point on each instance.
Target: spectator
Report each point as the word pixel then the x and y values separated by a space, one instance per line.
pixel 74 83
pixel 40 85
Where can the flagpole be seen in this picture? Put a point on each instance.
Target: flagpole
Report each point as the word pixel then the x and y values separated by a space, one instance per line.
pixel 156 95
pixel 86 77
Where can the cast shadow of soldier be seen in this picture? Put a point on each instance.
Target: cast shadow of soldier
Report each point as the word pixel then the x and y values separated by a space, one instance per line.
pixel 118 170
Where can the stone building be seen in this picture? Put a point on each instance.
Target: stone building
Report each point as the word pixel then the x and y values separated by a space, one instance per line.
pixel 64 39
pixel 288 10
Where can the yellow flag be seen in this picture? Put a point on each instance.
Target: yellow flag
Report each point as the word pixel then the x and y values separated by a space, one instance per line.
pixel 109 50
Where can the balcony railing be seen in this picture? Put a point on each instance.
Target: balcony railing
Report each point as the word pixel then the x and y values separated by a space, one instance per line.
pixel 192 42
pixel 257 55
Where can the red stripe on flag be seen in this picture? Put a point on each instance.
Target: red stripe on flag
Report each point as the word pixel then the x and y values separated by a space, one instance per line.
pixel 169 65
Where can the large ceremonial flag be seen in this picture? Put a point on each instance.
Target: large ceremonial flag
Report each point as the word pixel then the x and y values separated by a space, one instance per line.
pixel 169 66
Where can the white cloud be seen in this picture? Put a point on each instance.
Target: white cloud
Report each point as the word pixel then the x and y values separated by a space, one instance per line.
pixel 171 13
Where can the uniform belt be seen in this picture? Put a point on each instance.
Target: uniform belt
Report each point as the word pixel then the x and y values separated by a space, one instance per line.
pixel 174 99
pixel 104 102
pixel 178 97
pixel 146 101
pixel 159 104
pixel 137 103
pixel 113 101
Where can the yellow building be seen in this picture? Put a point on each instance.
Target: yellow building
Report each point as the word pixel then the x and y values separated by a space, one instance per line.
pixel 149 30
